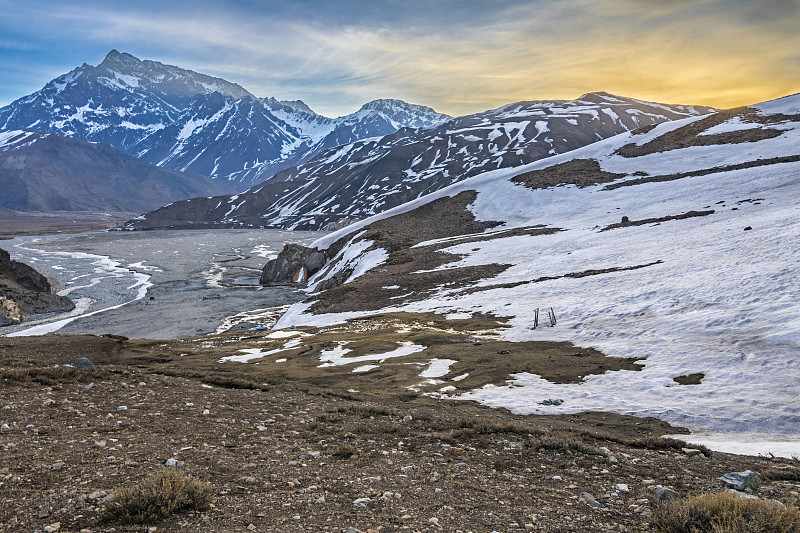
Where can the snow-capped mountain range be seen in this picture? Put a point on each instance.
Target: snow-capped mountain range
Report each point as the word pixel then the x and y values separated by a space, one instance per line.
pixel 192 122
pixel 353 181
pixel 677 244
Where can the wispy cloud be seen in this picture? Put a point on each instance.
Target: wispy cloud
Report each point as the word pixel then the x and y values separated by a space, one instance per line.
pixel 458 57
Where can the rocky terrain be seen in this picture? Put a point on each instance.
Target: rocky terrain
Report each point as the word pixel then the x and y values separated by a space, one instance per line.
pixel 24 291
pixel 45 172
pixel 292 452
pixel 354 181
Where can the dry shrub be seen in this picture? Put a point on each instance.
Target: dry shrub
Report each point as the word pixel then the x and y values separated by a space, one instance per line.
pixel 346 451
pixel 781 474
pixel 654 443
pixel 560 443
pixel 725 513
pixel 159 496
pixel 489 427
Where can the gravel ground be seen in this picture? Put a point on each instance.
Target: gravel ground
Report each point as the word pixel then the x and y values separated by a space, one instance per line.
pixel 291 458
pixel 199 278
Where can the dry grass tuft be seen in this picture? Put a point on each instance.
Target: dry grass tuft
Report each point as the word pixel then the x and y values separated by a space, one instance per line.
pixel 561 443
pixel 725 513
pixel 158 496
pixel 345 451
pixel 781 474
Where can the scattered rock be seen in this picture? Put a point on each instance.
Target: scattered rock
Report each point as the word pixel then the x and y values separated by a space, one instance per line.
pixel 171 462
pixel 52 528
pixel 557 401
pixel 621 487
pixel 663 494
pixel 83 363
pixel 589 499
pixel 361 503
pixel 692 452
pixel 741 480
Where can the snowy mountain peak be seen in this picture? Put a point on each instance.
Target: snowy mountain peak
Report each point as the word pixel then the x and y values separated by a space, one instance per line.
pixel 403 114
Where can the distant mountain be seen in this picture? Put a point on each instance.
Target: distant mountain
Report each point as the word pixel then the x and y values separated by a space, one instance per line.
pixel 356 180
pixel 48 172
pixel 183 120
pixel 118 102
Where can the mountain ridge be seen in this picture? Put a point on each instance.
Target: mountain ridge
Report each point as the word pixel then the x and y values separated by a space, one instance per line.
pixel 356 180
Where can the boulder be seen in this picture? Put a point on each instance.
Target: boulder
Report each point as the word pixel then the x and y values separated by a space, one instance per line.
pixel 294 264
pixel 9 312
pixel 83 363
pixel 741 480
pixel 664 494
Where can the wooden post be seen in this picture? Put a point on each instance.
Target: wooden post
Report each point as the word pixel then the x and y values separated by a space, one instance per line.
pixel 552 317
pixel 536 318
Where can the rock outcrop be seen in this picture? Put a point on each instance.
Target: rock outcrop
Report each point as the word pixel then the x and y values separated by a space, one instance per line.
pixel 294 264
pixel 24 291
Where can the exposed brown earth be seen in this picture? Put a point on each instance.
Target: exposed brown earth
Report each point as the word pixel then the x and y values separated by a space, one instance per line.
pixel 289 456
pixel 689 135
pixel 580 172
pixel 656 220
pixel 703 172
pixel 17 223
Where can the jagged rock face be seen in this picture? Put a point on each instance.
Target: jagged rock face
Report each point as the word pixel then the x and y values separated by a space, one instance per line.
pixel 357 180
pixel 48 172
pixel 294 264
pixel 23 290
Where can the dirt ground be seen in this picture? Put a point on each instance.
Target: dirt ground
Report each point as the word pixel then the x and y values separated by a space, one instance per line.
pixel 289 454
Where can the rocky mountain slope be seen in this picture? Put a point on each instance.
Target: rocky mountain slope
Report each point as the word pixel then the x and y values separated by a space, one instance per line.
pixel 245 141
pixel 47 172
pixel 675 243
pixel 356 180
pixel 188 121
pixel 24 291
pixel 118 102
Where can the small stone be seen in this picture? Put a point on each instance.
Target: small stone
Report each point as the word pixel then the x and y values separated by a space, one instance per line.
pixel 58 465
pixel 44 512
pixel 589 499
pixel 171 462
pixel 621 487
pixel 434 521
pixel 437 490
pixel 741 480
pixel 52 528
pixel 7 408
pixel 692 452
pixel 251 527
pixel 361 503
pixel 663 494
pixel 388 495
pixel 4 426
pixel 152 529
pixel 352 530
pixel 83 363
pixel 408 418
pixel 48 402
pixel 206 412
pixel 122 408
pixel 407 468
pixel 557 478
pixel 612 459
pixel 320 500
pixel 100 444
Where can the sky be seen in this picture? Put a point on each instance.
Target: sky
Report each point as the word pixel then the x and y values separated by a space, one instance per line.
pixel 458 57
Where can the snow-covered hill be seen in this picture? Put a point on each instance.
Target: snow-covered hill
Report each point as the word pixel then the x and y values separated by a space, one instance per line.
pixel 184 120
pixel 356 180
pixel 677 243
